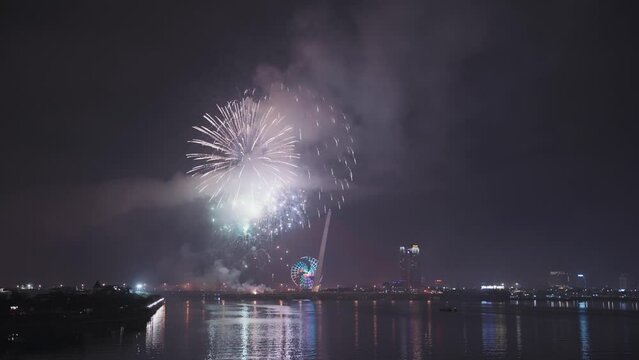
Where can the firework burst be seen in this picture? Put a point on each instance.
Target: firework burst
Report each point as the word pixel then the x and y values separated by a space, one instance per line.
pixel 326 146
pixel 266 164
pixel 249 150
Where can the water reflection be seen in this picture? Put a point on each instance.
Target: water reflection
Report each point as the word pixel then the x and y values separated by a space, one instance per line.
pixel 154 332
pixel 187 308
pixel 494 340
pixel 310 319
pixel 368 330
pixel 584 337
pixel 265 331
pixel 465 338
pixel 244 323
pixel 428 336
pixel 319 313
pixel 519 344
pixel 404 340
pixel 375 325
pixel 416 329
pixel 393 331
pixel 583 305
pixel 356 311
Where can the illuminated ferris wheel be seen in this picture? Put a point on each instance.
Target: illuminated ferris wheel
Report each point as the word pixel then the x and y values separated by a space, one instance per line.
pixel 303 272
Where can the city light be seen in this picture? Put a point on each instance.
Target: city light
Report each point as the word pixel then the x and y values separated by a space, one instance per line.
pixel 493 287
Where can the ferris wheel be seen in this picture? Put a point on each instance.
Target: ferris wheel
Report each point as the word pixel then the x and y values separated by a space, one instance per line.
pixel 303 272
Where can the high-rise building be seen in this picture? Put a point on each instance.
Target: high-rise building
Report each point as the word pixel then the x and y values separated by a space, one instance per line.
pixel 559 279
pixel 581 281
pixel 409 266
pixel 624 280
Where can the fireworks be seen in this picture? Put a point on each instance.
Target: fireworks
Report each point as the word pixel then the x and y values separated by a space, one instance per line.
pixel 268 164
pixel 249 150
pixel 326 146
pixel 280 210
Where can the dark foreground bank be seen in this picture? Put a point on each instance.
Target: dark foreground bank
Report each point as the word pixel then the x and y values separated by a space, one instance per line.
pixel 60 316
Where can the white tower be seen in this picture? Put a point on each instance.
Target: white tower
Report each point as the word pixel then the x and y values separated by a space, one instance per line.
pixel 320 262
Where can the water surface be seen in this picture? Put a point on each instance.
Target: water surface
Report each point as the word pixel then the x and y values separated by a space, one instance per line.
pixel 197 328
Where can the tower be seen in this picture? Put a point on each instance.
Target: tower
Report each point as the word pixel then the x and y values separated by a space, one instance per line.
pixel 409 266
pixel 559 279
pixel 320 262
pixel 624 281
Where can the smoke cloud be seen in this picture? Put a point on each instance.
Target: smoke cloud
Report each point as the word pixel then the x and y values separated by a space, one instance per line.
pixel 373 63
pixel 66 211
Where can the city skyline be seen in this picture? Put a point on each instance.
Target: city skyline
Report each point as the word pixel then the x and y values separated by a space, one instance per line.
pixel 408 275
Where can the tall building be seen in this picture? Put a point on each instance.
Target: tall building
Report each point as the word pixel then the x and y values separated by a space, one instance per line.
pixel 559 279
pixel 581 281
pixel 409 266
pixel 624 280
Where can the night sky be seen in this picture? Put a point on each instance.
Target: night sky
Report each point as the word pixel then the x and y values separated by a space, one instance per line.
pixel 501 138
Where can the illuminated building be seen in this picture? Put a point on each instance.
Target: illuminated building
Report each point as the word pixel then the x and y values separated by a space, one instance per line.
pixel 581 281
pixel 559 279
pixel 409 266
pixel 493 287
pixel 624 280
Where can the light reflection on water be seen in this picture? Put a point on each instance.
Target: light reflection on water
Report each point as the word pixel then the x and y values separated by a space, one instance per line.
pixel 584 337
pixel 261 331
pixel 356 312
pixel 189 328
pixel 416 333
pixel 155 332
pixel 494 332
pixel 518 332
